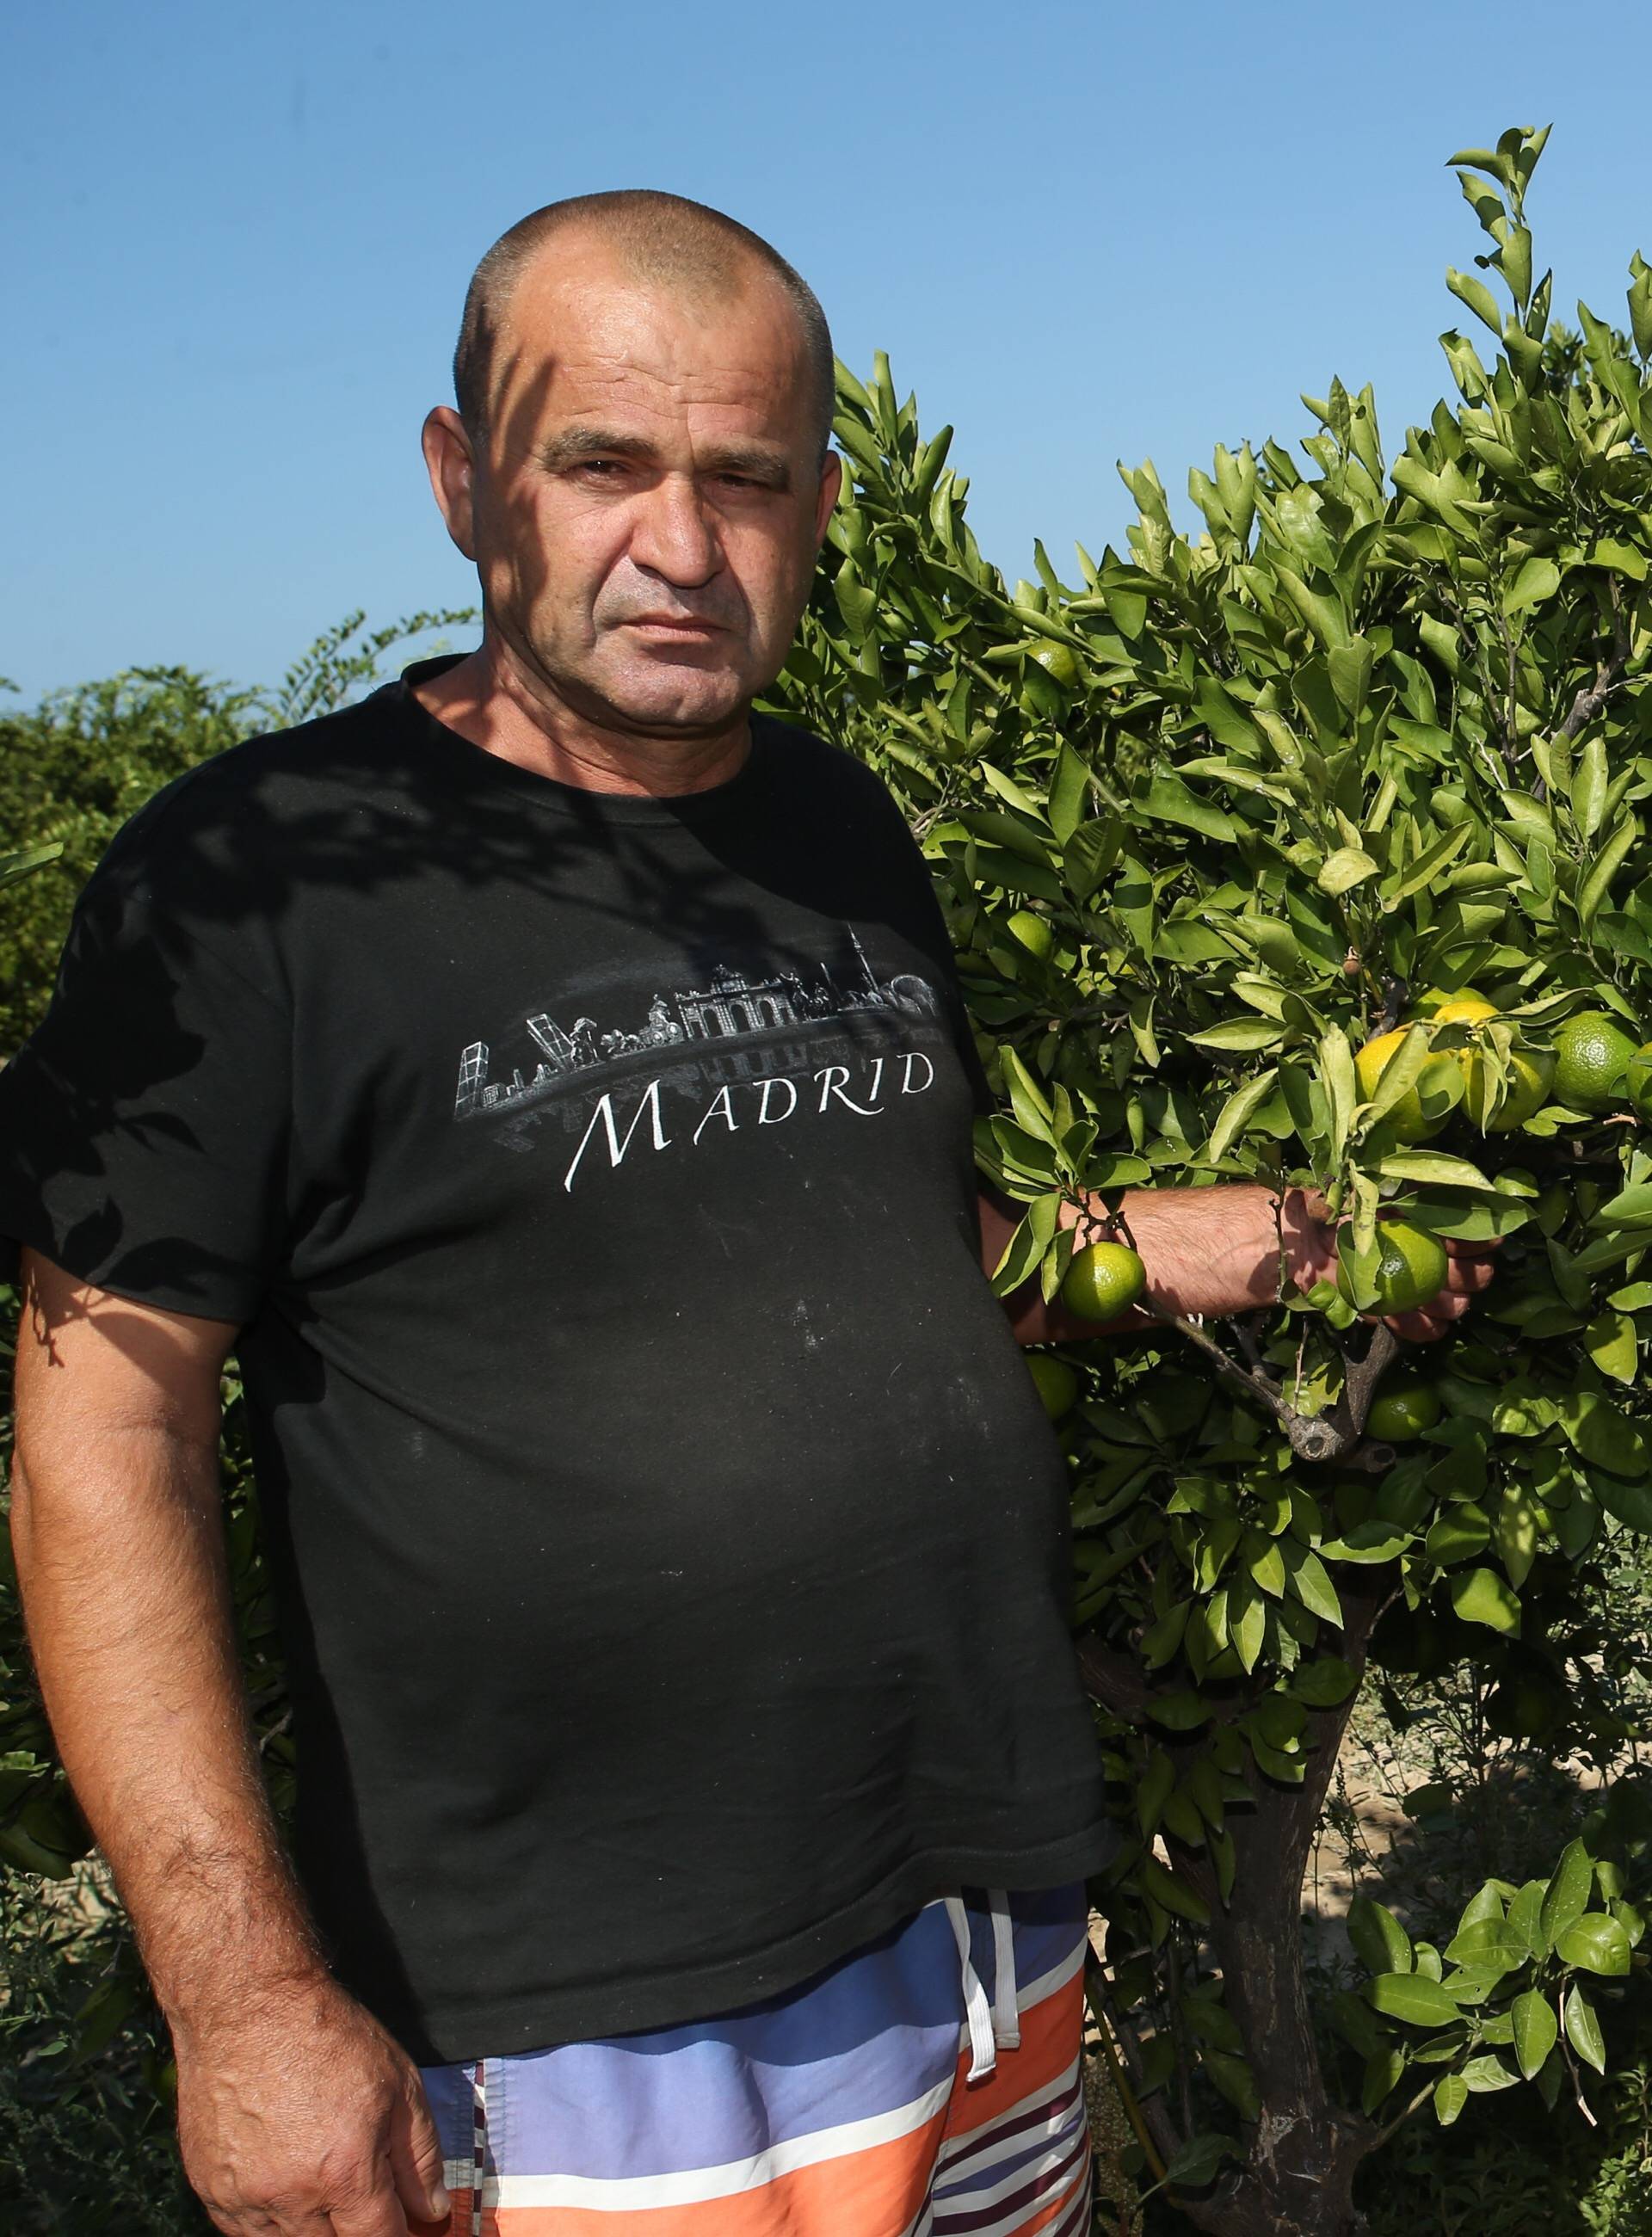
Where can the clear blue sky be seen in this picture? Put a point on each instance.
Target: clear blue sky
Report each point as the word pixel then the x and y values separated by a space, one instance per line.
pixel 238 235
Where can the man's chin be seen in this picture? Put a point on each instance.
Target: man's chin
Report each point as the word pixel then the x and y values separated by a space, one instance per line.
pixel 676 697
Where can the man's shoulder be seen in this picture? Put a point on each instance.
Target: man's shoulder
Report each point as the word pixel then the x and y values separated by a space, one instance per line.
pixel 247 808
pixel 819 771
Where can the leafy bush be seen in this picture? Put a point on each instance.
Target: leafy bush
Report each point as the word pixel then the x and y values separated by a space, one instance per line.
pixel 1380 733
pixel 74 769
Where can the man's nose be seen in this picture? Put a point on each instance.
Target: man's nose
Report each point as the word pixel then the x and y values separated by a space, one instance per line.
pixel 674 537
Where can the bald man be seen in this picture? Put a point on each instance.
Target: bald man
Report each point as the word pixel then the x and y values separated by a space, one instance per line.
pixel 550 1081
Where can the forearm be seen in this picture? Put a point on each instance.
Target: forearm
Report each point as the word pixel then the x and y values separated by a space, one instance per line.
pixel 120 1557
pixel 1206 1251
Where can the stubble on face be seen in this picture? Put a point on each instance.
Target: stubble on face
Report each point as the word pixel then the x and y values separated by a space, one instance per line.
pixel 648 495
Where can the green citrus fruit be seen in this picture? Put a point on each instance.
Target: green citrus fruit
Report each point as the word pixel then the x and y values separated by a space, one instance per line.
pixel 1637 1078
pixel 1403 1408
pixel 1059 661
pixel 1104 1280
pixel 1058 1386
pixel 1592 1055
pixel 1411 1267
pixel 1033 931
pixel 1406 1121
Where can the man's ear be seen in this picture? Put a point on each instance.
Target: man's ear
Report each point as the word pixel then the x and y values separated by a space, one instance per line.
pixel 831 480
pixel 451 462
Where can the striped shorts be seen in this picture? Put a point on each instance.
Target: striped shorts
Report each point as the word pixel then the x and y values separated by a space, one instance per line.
pixel 928 2086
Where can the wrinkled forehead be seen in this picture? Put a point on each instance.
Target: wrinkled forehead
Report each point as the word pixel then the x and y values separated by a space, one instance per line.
pixel 582 331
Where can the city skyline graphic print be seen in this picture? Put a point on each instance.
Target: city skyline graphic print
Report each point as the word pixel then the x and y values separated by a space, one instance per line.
pixel 737 1041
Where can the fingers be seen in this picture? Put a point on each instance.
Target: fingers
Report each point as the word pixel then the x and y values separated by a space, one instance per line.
pixel 1421 1327
pixel 376 2214
pixel 416 2158
pixel 1466 1277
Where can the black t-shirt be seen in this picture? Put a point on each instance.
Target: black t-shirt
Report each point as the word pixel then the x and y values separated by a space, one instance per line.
pixel 669 1545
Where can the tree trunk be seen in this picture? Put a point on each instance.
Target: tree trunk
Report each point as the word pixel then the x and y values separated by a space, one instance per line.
pixel 1297 2178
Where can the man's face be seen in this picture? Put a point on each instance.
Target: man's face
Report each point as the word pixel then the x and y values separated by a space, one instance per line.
pixel 647 502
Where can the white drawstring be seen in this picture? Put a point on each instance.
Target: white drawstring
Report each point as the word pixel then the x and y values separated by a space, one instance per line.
pixel 995 2025
pixel 1007 2019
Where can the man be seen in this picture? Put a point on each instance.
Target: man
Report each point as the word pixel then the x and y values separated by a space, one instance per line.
pixel 551 1083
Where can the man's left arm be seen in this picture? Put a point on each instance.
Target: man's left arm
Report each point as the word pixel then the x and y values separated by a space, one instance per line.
pixel 1211 1251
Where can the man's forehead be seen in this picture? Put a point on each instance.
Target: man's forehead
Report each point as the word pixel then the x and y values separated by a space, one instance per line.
pixel 579 320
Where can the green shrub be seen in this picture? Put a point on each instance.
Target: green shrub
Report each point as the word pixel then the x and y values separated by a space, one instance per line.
pixel 1380 728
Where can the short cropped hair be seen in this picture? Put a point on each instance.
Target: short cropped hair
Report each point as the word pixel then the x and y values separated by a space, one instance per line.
pixel 665 238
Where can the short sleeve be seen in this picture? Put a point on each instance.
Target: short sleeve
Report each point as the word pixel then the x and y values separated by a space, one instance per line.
pixel 144 1125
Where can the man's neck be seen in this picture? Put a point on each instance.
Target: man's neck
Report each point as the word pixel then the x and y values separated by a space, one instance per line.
pixel 488 700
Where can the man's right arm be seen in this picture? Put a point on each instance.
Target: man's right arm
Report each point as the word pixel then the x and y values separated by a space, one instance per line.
pixel 297 2112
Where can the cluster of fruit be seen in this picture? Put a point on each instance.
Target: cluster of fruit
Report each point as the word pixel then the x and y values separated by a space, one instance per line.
pixel 1595 1067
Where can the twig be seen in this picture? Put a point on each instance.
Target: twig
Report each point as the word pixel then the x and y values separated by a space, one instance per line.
pixel 1400 2119
pixel 1095 1992
pixel 1607 674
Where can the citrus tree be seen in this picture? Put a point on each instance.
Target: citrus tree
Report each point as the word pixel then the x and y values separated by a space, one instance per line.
pixel 1311 849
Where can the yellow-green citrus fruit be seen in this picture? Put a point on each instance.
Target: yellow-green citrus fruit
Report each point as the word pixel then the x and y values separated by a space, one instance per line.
pixel 1592 1055
pixel 1403 1408
pixel 1466 1008
pixel 1527 1089
pixel 1033 931
pixel 1406 1121
pixel 1058 1386
pixel 1104 1280
pixel 1059 661
pixel 1637 1078
pixel 1530 1080
pixel 1411 1267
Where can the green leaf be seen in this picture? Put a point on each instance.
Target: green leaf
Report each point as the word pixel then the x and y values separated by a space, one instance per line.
pixel 1241 1033
pixel 1069 797
pixel 1181 1711
pixel 1606 866
pixel 1091 852
pixel 1241 1106
pixel 1597 1943
pixel 1431 1165
pixel 1021 1260
pixel 1381 1944
pixel 1168 799
pixel 1310 1581
pixel 1569 1892
pixel 1536 2030
pixel 1196 2163
pixel 1381 2077
pixel 1590 781
pixel 1630 1207
pixel 1482 1596
pixel 1399 885
pixel 1487 2073
pixel 1347 868
pixel 1027 1095
pixel 1538 579
pixel 1413 1998
pixel 1604 1434
pixel 1612 1343
pixel 1232 2077
pixel 1323 1684
pixel 1450 2095
pixel 1583 2030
